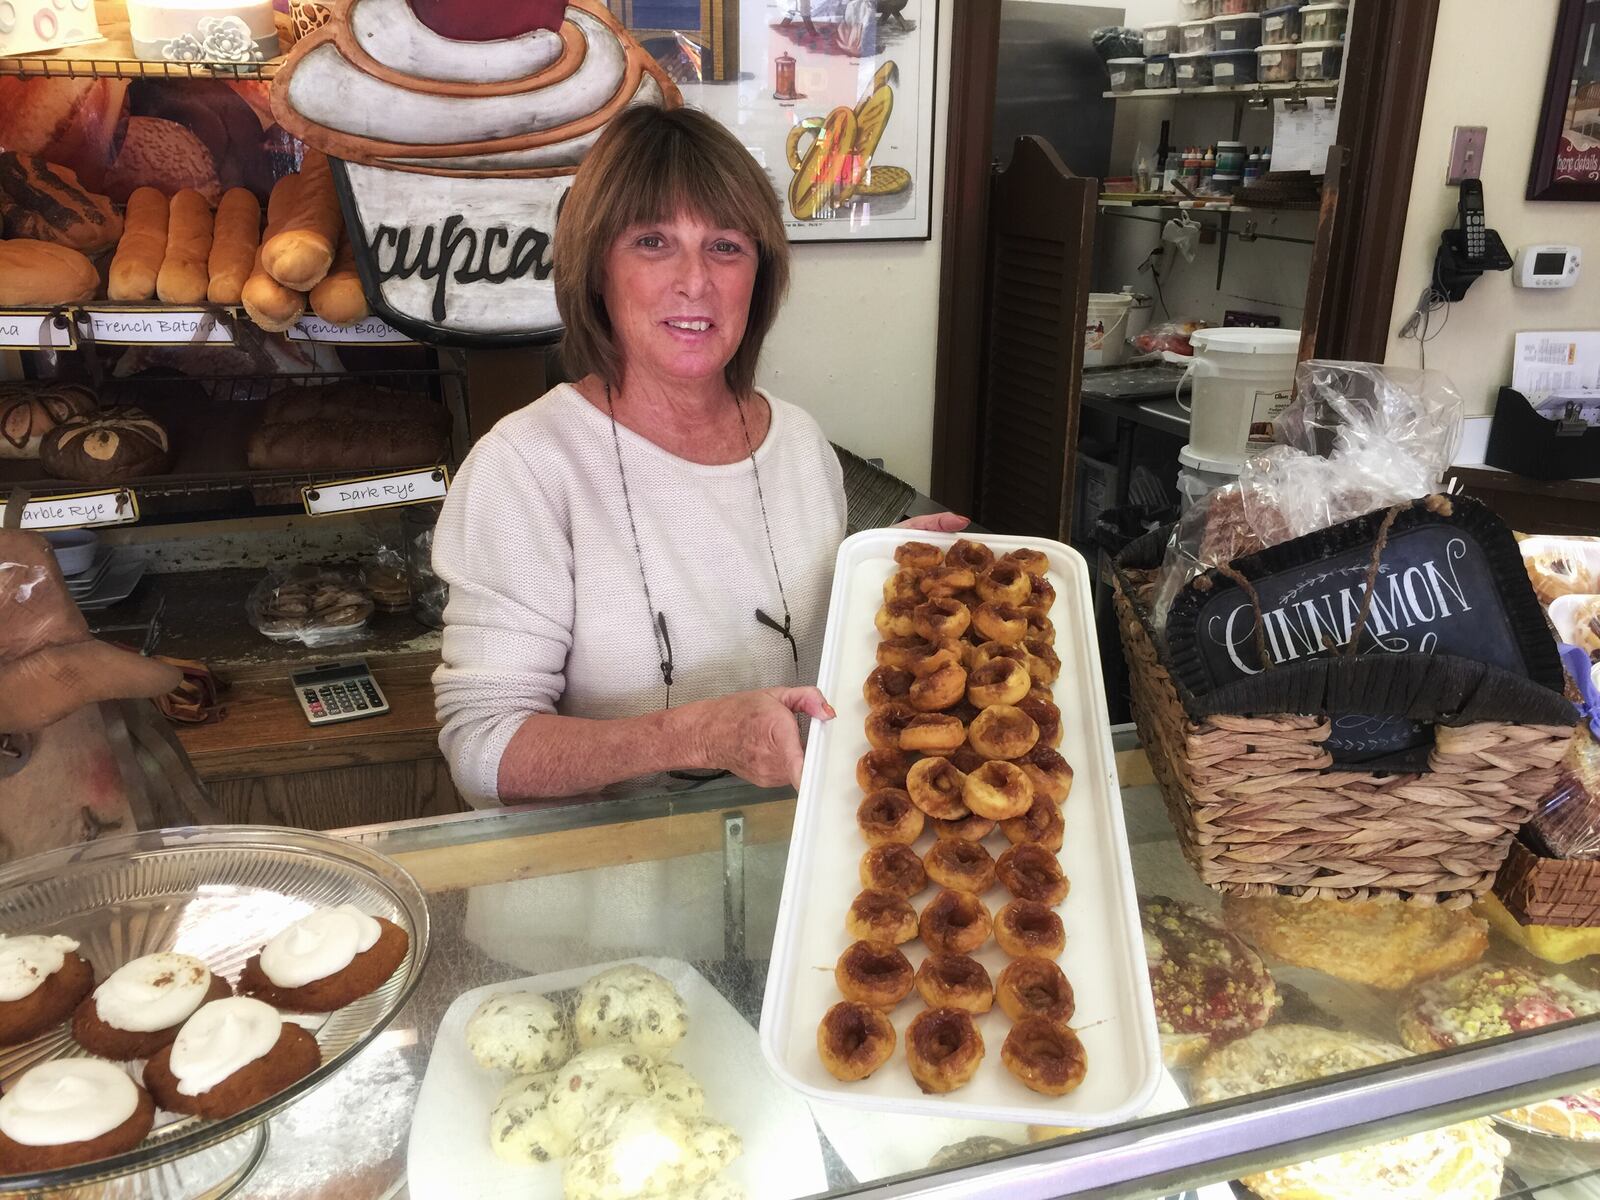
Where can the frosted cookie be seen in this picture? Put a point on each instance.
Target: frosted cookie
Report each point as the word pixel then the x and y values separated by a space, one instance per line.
pixel 679 1090
pixel 643 1148
pixel 520 1128
pixel 231 1054
pixel 518 1031
pixel 70 1111
pixel 1207 984
pixel 634 1006
pixel 42 979
pixel 325 960
pixel 593 1079
pixel 142 1004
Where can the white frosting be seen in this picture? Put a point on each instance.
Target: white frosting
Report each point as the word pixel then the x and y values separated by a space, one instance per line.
pixel 328 89
pixel 155 992
pixel 67 1100
pixel 219 1039
pixel 390 32
pixel 26 961
pixel 318 945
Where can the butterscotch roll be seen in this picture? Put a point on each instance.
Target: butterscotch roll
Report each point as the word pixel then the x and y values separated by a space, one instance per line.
pixel 1046 716
pixel 1048 772
pixel 1004 623
pixel 883 769
pixel 1046 1058
pixel 896 619
pixel 1041 595
pixel 954 923
pixel 933 733
pixel 936 787
pixel 1042 824
pixel 943 1049
pixel 879 916
pixel 998 790
pixel 1024 927
pixel 919 556
pixel 884 723
pixel 888 816
pixel 854 1040
pixel 974 556
pixel 904 584
pixel 1035 987
pixel 955 981
pixel 960 865
pixel 1004 583
pixel 981 653
pixel 887 685
pixel 874 973
pixel 1034 562
pixel 940 619
pixel 1031 872
pixel 946 581
pixel 901 652
pixel 998 681
pixel 1043 662
pixel 939 689
pixel 966 760
pixel 970 828
pixel 1040 626
pixel 893 868
pixel 1003 731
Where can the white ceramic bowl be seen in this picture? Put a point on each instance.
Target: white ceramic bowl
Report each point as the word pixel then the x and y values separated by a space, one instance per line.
pixel 74 549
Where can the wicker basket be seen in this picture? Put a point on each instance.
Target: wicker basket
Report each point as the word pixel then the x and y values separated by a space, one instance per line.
pixel 1259 811
pixel 1549 891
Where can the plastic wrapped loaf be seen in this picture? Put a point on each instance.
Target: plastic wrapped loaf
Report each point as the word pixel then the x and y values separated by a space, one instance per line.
pixel 1357 437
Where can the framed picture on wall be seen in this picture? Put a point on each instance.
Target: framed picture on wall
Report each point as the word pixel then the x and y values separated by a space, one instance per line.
pixel 835 99
pixel 1566 155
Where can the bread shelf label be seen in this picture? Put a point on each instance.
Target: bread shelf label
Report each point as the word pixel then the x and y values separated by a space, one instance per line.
pixel 376 491
pixel 39 330
pixel 372 331
pixel 158 327
pixel 81 509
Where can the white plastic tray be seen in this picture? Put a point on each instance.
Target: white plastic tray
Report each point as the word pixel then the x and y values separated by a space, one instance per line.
pixel 449 1155
pixel 1104 958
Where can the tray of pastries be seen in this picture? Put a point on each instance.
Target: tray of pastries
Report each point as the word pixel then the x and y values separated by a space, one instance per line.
pixel 163 992
pixel 959 934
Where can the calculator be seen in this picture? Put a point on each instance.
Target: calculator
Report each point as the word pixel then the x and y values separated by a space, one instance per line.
pixel 338 691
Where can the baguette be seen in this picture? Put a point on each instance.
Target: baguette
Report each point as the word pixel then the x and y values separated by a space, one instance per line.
pixel 184 276
pixel 338 299
pixel 144 244
pixel 234 240
pixel 268 303
pixel 35 272
pixel 338 444
pixel 300 253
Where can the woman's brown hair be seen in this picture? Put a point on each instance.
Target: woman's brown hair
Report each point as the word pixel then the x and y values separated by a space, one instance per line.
pixel 652 164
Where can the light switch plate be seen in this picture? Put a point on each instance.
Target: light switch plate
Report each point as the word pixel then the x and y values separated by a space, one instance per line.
pixel 1466 153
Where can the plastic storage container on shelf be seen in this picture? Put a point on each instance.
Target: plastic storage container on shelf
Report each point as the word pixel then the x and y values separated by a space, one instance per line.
pixel 1105 334
pixel 1232 8
pixel 1280 26
pixel 1238 33
pixel 1225 185
pixel 1191 71
pixel 1198 10
pixel 1320 61
pixel 1323 22
pixel 1127 74
pixel 1161 39
pixel 1231 157
pixel 1158 72
pixel 1197 37
pixel 1232 67
pixel 1277 64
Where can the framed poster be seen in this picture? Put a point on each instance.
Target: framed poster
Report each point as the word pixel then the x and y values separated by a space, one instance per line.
pixel 833 97
pixel 1566 154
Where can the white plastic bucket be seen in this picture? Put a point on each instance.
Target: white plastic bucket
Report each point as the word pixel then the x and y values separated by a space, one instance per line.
pixel 1242 381
pixel 1198 475
pixel 1105 333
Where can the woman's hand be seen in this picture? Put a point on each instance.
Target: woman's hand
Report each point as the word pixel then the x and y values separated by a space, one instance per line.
pixel 754 734
pixel 944 522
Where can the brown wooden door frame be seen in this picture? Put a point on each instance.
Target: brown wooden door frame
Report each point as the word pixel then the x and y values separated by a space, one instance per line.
pixel 1385 90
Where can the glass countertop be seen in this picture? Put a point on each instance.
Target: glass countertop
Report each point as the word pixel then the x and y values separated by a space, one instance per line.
pixel 695 877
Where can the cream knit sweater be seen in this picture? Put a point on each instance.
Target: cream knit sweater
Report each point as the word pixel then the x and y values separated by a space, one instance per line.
pixel 547 612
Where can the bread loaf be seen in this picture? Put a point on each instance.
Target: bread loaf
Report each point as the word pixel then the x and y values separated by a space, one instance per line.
pixel 113 445
pixel 269 304
pixel 353 401
pixel 340 444
pixel 34 272
pixel 235 236
pixel 41 200
pixel 29 411
pixel 184 276
pixel 143 246
pixel 339 298
pixel 301 252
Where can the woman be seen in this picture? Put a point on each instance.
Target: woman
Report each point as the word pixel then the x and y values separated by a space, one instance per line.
pixel 639 563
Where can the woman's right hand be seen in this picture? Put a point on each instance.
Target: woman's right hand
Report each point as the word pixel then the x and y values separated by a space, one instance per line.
pixel 755 734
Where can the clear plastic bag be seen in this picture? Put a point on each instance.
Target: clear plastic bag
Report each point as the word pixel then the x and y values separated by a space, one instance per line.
pixel 1567 825
pixel 1171 337
pixel 383 574
pixel 1357 437
pixel 312 605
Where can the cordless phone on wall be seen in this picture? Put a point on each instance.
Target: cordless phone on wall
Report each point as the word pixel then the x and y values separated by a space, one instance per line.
pixel 1470 249
pixel 1469 208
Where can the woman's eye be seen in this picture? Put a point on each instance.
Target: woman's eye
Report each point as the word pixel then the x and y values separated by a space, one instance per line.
pixel 650 241
pixel 726 247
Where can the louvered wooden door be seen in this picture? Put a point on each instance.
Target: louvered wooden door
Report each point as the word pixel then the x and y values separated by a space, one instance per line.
pixel 1041 233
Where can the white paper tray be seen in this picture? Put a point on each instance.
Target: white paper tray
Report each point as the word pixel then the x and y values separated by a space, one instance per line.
pixel 1104 958
pixel 449 1156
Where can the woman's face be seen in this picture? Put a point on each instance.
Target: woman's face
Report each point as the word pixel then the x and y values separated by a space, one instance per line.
pixel 678 295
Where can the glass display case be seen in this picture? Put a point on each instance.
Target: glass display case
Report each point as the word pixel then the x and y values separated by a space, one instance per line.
pixel 690 882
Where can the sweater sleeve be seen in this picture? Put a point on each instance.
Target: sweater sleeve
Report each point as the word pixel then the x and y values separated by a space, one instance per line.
pixel 503 545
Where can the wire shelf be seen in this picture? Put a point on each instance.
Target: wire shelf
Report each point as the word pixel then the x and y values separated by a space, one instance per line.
pixel 59 65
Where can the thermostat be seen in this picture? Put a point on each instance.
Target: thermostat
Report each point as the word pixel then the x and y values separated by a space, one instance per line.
pixel 1546 267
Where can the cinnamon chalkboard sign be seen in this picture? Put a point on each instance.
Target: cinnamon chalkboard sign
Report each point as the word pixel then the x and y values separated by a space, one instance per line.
pixel 1443 583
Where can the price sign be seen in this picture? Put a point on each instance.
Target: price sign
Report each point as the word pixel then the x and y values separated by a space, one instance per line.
pixel 116 507
pixel 377 491
pixel 160 327
pixel 36 330
pixel 370 332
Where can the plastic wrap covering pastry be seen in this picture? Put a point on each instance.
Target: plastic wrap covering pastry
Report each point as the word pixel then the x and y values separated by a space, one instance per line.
pixel 455 132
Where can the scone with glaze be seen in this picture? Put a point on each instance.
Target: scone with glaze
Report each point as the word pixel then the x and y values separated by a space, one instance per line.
pixel 631 1005
pixel 518 1031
